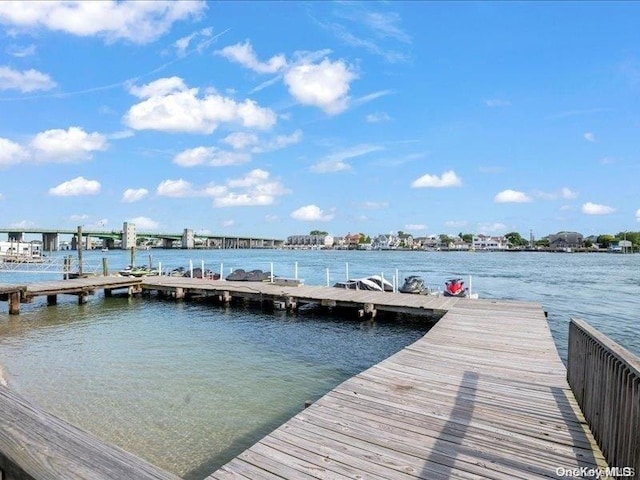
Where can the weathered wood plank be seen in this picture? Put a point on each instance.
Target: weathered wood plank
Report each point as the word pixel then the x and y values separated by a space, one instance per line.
pixel 37 445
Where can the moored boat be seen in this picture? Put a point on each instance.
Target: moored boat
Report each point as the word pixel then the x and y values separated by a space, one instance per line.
pixel 455 288
pixel 374 282
pixel 415 285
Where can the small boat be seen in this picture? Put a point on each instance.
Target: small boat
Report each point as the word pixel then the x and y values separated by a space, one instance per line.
pixel 105 249
pixel 374 282
pixel 239 275
pixel 414 284
pixel 455 288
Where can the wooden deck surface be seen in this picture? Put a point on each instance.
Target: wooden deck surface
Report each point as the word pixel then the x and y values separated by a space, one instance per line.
pixel 482 395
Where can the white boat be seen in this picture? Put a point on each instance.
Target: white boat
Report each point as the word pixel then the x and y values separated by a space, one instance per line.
pixel 15 251
pixel 374 282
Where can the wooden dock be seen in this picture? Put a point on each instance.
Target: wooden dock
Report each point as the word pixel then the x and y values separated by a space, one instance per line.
pixel 482 395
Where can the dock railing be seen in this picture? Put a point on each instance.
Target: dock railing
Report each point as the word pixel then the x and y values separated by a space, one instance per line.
pixel 605 379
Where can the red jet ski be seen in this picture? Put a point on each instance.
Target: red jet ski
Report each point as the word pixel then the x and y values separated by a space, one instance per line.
pixel 455 288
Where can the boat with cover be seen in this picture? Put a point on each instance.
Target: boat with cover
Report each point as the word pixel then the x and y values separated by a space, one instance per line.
pixel 239 275
pixel 374 282
pixel 415 285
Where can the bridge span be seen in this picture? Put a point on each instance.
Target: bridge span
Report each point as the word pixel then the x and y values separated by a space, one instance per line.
pixel 128 236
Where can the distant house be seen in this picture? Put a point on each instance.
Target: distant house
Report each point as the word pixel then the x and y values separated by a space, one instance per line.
pixel 352 240
pixel 459 244
pixel 385 242
pixel 566 240
pixel 486 242
pixel 426 243
pixel 321 241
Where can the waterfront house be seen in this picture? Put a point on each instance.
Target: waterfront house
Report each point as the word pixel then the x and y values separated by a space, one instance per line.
pixel 563 240
pixel 309 241
pixel 487 242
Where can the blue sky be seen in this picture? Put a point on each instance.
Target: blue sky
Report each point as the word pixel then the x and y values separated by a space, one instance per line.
pixel 272 119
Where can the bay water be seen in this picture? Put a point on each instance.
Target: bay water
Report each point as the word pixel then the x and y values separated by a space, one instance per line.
pixel 189 385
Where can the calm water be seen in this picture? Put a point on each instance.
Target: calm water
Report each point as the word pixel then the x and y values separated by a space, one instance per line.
pixel 190 385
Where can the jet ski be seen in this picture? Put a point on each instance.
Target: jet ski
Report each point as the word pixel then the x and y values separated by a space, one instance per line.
pixel 455 288
pixel 374 282
pixel 414 284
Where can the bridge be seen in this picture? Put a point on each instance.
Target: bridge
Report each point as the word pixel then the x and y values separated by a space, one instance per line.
pixel 127 238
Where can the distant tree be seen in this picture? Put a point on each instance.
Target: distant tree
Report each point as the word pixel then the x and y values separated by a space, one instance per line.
pixel 318 232
pixel 605 241
pixel 466 237
pixel 633 237
pixel 516 240
pixel 588 244
pixel 543 242
pixel 364 238
pixel 445 239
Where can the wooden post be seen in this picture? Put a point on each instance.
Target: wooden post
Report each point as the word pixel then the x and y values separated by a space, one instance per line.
pixel 14 303
pixel 82 298
pixel 52 300
pixel 105 267
pixel 132 260
pixel 108 292
pixel 79 246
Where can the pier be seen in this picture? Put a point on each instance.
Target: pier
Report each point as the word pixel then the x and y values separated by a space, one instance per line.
pixel 484 394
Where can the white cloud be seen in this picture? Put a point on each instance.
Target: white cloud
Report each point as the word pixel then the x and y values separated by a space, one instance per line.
pixel 162 86
pixel 182 44
pixel 244 54
pixel 415 227
pixel 26 81
pixel 638 215
pixel 131 195
pixel 497 102
pixel 489 228
pixel 23 224
pixel 210 156
pixel 374 205
pixel 335 162
pixel 281 141
pixel 254 189
pixel 590 137
pixel 21 52
pixel 75 187
pixel 240 140
pixel 79 217
pixel 590 208
pixel 456 223
pixel 564 193
pixel 11 153
pixel 120 135
pixel 377 117
pixel 1 196
pixel 511 196
pixel 138 22
pixel 67 145
pixel 175 189
pixel 447 179
pixel 311 213
pixel 228 223
pixel 170 106
pixel 324 85
pixel 274 218
pixel 144 223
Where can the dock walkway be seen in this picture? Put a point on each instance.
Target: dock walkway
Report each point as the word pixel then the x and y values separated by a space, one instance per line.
pixel 482 395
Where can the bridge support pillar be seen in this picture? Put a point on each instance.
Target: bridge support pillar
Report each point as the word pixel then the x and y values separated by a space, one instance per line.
pixel 16 236
pixel 87 243
pixel 50 242
pixel 188 240
pixel 167 243
pixel 110 243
